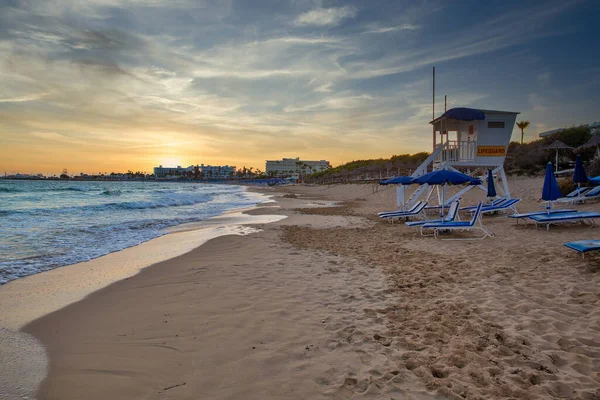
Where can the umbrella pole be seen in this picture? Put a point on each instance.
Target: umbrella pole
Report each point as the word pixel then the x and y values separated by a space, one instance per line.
pixel 443 201
pixel 556 170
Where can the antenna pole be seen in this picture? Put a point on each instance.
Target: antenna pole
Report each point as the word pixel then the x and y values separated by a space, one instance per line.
pixel 433 109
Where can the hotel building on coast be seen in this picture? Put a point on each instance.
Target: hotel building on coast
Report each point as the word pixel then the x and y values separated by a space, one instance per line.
pixel 206 171
pixel 294 167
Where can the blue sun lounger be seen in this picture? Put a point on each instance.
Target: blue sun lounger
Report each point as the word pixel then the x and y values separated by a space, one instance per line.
pixel 529 214
pixel 578 192
pixel 583 246
pixel 586 194
pixel 578 216
pixel 474 224
pixel 508 205
pixel 450 217
pixel 415 211
pixel 494 203
pixel 417 204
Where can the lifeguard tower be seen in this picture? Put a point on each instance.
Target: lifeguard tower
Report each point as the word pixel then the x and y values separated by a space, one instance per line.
pixel 471 139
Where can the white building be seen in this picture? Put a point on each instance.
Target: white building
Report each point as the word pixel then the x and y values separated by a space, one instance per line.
pixel 294 166
pixel 163 172
pixel 206 171
pixel 217 171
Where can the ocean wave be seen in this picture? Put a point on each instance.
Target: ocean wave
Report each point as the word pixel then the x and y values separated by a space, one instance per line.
pixel 61 229
pixel 164 202
pixel 66 189
pixel 9 190
pixel 113 192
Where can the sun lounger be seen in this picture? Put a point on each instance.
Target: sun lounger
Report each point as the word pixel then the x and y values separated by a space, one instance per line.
pixel 494 203
pixel 416 211
pixel 451 216
pixel 586 194
pixel 474 224
pixel 529 214
pixel 417 204
pixel 578 216
pixel 506 205
pixel 578 192
pixel 583 246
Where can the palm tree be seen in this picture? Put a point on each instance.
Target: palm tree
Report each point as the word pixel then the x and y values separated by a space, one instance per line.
pixel 522 125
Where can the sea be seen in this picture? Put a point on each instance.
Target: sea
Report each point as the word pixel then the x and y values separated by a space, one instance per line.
pixel 49 224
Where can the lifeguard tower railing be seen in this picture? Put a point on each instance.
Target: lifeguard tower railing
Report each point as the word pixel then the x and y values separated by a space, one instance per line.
pixel 457 151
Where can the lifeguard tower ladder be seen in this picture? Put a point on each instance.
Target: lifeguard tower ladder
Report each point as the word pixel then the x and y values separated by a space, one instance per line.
pixel 471 139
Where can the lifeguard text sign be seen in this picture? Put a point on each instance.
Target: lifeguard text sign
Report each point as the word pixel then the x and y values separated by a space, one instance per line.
pixel 491 151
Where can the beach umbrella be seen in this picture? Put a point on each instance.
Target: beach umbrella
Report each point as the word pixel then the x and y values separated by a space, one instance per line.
pixel 399 180
pixel 558 145
pixel 593 142
pixel 444 176
pixel 550 191
pixel 579 175
pixel 491 188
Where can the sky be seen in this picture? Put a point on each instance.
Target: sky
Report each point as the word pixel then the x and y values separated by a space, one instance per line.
pixel 114 85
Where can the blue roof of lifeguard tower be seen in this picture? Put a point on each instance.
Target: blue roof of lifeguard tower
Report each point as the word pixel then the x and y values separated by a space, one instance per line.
pixel 468 114
pixel 464 114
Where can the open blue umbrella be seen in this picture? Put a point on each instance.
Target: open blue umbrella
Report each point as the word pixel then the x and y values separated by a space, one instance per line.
pixel 491 188
pixel 579 175
pixel 550 191
pixel 398 180
pixel 444 176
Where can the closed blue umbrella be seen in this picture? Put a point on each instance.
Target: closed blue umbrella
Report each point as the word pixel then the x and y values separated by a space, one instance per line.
pixel 443 176
pixel 491 188
pixel 579 175
pixel 399 180
pixel 550 191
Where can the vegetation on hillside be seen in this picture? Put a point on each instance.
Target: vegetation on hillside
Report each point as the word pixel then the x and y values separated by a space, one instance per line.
pixel 528 158
pixel 372 169
pixel 531 158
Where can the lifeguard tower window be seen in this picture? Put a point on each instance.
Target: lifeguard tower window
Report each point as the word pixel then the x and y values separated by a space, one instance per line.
pixel 495 124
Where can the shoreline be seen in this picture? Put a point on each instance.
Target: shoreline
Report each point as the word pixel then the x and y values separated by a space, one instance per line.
pixel 31 297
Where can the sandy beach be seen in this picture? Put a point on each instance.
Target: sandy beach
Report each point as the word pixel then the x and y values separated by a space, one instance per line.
pixel 331 302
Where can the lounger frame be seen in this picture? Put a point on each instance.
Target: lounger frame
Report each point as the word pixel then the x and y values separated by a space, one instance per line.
pixel 580 219
pixel 475 224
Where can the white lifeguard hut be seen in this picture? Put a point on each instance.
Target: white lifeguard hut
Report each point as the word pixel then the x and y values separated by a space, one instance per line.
pixel 471 139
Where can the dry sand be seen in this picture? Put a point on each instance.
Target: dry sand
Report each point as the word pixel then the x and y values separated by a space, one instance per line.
pixel 333 303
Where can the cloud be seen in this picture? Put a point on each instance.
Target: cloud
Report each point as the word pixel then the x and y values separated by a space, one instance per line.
pixel 225 81
pixel 544 77
pixel 325 16
pixel 387 29
pixel 26 97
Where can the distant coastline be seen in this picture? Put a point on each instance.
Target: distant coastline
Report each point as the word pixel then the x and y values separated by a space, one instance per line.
pixel 108 179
